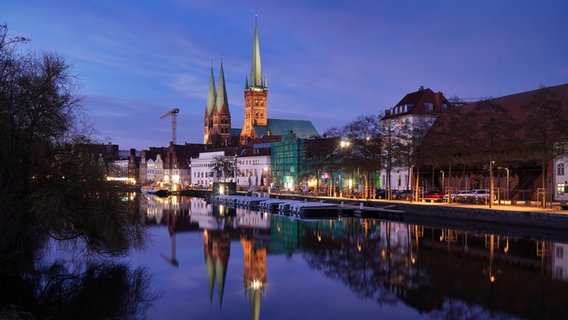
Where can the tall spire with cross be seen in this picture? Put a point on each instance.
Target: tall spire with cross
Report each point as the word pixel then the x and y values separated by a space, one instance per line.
pixel 256 93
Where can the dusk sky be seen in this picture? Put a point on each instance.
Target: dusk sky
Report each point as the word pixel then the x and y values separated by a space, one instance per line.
pixel 325 61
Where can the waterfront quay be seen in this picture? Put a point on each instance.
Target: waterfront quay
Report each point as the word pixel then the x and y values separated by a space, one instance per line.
pixel 520 219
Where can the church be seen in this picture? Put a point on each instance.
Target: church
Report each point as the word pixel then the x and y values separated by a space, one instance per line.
pixel 217 120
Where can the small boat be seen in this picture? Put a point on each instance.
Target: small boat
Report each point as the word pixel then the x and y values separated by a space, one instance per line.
pixel 156 190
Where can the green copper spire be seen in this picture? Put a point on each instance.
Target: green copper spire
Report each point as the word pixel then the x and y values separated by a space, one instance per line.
pixel 221 92
pixel 211 94
pixel 255 67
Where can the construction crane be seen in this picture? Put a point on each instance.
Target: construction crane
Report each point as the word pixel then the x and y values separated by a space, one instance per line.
pixel 172 113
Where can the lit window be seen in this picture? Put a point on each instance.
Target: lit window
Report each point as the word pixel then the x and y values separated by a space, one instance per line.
pixel 561 188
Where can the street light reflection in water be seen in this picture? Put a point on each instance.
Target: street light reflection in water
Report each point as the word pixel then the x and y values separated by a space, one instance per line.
pixel 242 264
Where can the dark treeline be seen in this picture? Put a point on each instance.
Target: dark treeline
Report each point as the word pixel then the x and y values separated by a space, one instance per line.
pixel 51 189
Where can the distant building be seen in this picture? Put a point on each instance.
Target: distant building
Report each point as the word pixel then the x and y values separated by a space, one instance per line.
pixel 415 113
pixel 497 131
pixel 177 164
pixel 217 130
pixel 217 120
pixel 202 168
pixel 151 165
pixel 253 163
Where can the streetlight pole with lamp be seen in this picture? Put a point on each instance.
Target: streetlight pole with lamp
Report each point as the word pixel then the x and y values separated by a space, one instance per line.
pixel 443 183
pixel 344 144
pixel 491 183
pixel 507 188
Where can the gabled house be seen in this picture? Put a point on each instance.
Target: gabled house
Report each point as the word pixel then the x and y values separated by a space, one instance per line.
pixel 177 164
pixel 514 135
pixel 253 163
pixel 151 166
pixel 403 125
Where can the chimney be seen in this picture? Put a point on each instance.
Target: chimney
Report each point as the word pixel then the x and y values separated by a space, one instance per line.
pixel 438 99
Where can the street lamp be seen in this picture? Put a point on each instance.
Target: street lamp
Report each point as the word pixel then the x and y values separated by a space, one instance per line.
pixel 507 191
pixel 491 183
pixel 344 144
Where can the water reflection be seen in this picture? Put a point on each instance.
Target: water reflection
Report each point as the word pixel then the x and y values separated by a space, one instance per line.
pixel 440 272
pixel 79 277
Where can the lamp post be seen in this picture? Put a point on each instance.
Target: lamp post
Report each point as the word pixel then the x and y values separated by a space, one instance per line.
pixel 507 190
pixel 344 144
pixel 410 177
pixel 443 179
pixel 491 182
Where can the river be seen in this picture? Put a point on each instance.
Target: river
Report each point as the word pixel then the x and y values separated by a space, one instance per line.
pixel 209 262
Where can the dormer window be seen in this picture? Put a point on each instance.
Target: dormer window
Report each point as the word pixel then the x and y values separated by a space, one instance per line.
pixel 428 106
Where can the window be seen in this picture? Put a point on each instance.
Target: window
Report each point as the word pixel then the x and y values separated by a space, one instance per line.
pixel 561 188
pixel 559 252
pixel 428 106
pixel 560 169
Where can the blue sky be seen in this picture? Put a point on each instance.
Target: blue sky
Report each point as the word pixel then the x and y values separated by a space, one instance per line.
pixel 326 61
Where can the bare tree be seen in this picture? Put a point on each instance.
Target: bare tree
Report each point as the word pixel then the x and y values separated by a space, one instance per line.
pixel 545 126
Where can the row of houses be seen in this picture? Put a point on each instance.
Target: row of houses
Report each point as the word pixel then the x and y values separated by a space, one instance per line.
pixel 444 161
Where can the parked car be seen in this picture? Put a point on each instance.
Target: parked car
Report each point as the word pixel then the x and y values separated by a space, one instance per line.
pixel 455 196
pixel 477 196
pixel 380 194
pixel 402 195
pixel 434 195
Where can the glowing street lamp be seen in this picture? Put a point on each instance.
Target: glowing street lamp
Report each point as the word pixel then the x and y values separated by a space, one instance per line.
pixel 507 190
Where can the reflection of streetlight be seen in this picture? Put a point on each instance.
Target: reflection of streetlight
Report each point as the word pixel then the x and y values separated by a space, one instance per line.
pixel 265 179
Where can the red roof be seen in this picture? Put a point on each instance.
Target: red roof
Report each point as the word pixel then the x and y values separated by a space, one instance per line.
pixel 421 102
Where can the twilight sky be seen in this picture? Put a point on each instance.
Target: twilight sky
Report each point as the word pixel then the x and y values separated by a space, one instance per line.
pixel 326 61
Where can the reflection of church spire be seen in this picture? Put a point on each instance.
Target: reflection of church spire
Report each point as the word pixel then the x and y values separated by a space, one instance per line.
pixel 254 274
pixel 208 263
pixel 216 249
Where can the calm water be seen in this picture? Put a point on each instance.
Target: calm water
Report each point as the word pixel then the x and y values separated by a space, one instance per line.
pixel 206 262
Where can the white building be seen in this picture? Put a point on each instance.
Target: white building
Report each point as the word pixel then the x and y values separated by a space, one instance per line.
pixel 202 169
pixel 253 163
pixel 415 113
pixel 560 261
pixel 155 169
pixel 560 178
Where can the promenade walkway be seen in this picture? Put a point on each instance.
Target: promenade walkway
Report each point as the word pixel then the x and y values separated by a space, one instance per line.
pixel 555 208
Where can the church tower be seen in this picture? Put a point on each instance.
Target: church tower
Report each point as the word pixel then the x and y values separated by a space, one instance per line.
pixel 208 119
pixel 217 120
pixel 256 94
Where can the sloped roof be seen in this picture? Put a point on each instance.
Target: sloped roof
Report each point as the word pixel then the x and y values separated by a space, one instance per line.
pixel 302 128
pixel 414 103
pixel 235 132
pixel 153 152
pixel 468 129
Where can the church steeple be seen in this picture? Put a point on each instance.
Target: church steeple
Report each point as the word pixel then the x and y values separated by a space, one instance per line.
pixel 255 66
pixel 256 94
pixel 217 119
pixel 209 109
pixel 211 94
pixel 222 92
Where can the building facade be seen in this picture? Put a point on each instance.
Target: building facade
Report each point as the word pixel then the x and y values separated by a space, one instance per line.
pixel 402 126
pixel 256 94
pixel 217 118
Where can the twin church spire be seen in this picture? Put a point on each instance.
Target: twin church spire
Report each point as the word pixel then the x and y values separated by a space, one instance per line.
pixel 217 120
